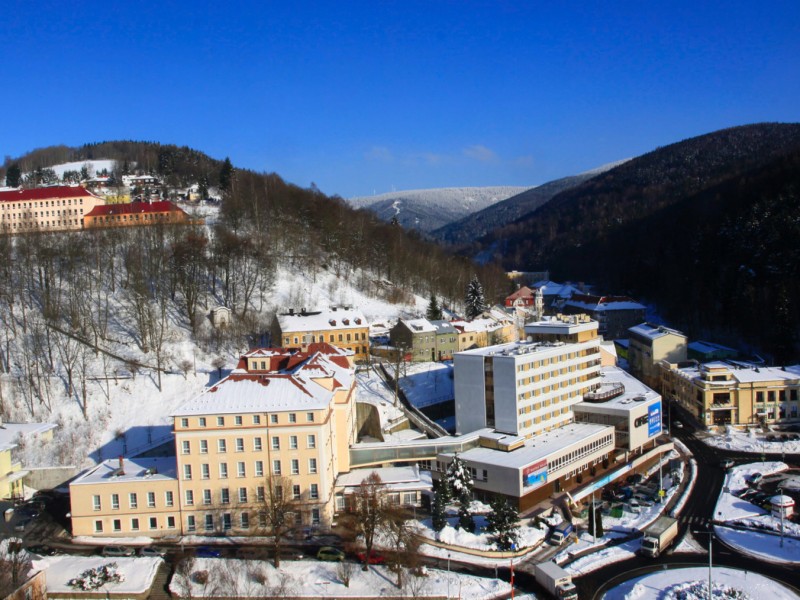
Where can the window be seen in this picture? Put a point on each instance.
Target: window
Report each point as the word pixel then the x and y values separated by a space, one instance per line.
pixel 134 524
pixel 237 419
pixel 240 444
pixel 312 466
pixel 117 524
pixel 315 516
pixel 296 492
pixel 259 468
pixel 171 522
pixel 293 442
pixel 153 522
pixel 151 499
pixel 244 520
pixel 202 421
pixel 276 467
pixel 295 466
pixel 189 498
pixel 220 421
pixel 314 491
pixel 206 496
pixel 273 419
pixel 98 526
pixel 168 499
pixel 310 417
pixel 276 442
pixel 203 446
pixel 184 422
pixel 226 521
pixel 187 471
pixel 242 494
pixel 114 502
pixel 185 446
pixel 96 502
pixel 133 500
pixel 223 470
pixel 240 470
pixel 205 471
pixel 257 444
pixel 225 496
pixel 260 493
pixel 311 441
pixel 292 418
pixel 256 419
pixel 222 446
pixel 191 524
pixel 209 522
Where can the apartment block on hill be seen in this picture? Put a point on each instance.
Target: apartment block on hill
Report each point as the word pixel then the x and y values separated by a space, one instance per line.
pixel 57 208
pixel 342 326
pixel 132 214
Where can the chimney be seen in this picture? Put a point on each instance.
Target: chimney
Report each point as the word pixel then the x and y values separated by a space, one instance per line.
pixel 291 311
pixel 303 311
pixel 121 465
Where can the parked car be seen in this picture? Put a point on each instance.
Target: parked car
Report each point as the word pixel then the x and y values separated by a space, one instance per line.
pixel 329 553
pixel 117 551
pixel 42 550
pixel 152 551
pixel 207 552
pixel 373 559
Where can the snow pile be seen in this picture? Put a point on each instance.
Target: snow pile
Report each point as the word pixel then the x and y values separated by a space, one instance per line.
pixel 748 441
pixel 96 577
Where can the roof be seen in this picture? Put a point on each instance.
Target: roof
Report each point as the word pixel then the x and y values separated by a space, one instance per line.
pixel 45 193
pixel 635 393
pixel 323 320
pixel 9 432
pixel 551 288
pixel 133 208
pixel 133 469
pixel 419 325
pixel 290 386
pixel 652 332
pixel 743 374
pixel 523 292
pixel 709 347
pixel 602 303
pixel 394 478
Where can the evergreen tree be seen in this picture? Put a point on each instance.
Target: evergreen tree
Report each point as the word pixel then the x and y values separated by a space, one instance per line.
pixel 434 312
pixel 439 506
pixel 503 522
pixel 459 480
pixel 13 176
pixel 465 519
pixel 596 520
pixel 226 175
pixel 474 302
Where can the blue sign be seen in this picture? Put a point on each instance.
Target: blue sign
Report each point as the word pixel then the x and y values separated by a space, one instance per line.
pixel 654 419
pixel 535 474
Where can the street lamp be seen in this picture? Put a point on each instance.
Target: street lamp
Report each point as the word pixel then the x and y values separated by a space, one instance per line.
pixel 780 508
pixel 448 576
pixel 710 535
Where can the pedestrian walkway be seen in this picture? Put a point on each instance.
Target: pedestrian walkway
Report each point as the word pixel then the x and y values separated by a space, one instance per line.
pixel 160 588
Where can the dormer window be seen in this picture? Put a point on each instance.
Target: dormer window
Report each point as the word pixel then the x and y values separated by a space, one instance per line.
pixel 358 321
pixel 332 322
pixel 346 321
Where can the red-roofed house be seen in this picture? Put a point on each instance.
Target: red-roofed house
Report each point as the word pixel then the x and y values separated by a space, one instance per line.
pixel 134 213
pixel 58 208
pixel 524 296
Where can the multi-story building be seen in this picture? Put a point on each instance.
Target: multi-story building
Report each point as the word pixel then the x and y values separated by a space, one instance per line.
pixel 648 345
pixel 719 393
pixel 11 472
pixel 614 314
pixel 283 416
pixel 424 339
pixel 58 208
pixel 133 214
pixel 343 327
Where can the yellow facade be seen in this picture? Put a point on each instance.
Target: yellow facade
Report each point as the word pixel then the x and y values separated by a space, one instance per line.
pixel 341 327
pixel 45 209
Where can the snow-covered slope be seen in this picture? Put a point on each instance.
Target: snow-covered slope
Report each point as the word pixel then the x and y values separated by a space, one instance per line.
pixel 430 209
pixel 93 166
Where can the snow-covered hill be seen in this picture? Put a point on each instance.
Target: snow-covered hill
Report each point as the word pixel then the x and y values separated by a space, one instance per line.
pixel 93 166
pixel 430 209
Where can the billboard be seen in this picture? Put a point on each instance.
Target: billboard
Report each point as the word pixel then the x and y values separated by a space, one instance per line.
pixel 535 474
pixel 654 419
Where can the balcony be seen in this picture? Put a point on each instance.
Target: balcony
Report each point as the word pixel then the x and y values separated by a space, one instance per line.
pixel 605 393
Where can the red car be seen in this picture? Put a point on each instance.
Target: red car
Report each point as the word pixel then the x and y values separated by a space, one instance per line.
pixel 373 559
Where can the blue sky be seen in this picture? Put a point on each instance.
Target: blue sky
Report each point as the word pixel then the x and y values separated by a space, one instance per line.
pixel 363 97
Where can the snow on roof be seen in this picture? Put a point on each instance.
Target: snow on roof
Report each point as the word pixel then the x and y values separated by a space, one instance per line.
pixel 650 331
pixel 419 325
pixel 392 477
pixel 138 572
pixel 45 193
pixel 536 448
pixel 603 303
pixel 744 374
pixel 133 469
pixel 636 393
pixel 9 432
pixel 551 288
pixel 330 319
pixel 704 347
pixel 480 324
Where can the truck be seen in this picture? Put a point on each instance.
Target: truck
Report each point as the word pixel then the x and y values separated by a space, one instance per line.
pixel 555 580
pixel 657 538
pixel 560 533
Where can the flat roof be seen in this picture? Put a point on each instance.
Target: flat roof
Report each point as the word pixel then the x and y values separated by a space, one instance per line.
pixel 650 331
pixel 513 349
pixel 393 477
pixel 538 447
pixel 9 432
pixel 161 468
pixel 636 393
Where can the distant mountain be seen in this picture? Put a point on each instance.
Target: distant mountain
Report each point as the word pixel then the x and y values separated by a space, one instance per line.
pixel 705 229
pixel 426 210
pixel 477 224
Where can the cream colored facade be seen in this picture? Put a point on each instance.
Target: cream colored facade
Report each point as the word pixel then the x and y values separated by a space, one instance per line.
pixel 59 208
pixel 287 414
pixel 340 326
pixel 648 345
pixel 12 473
pixel 719 393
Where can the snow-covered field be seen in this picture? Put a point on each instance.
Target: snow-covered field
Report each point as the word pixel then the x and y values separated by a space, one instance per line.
pixel 749 441
pixel 426 383
pixel 315 579
pixel 137 573
pixel 692 584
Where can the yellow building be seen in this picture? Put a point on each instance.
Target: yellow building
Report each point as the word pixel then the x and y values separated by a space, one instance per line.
pixel 648 345
pixel 343 327
pixel 11 472
pixel 58 208
pixel 718 393
pixel 281 412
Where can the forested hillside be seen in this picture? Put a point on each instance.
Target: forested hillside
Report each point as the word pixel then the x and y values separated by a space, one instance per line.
pixel 703 229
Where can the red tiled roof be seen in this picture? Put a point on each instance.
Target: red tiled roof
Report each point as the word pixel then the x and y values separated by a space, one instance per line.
pixel 45 193
pixel 133 208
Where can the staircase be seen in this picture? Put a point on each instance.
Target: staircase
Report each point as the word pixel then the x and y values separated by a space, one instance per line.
pixel 160 588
